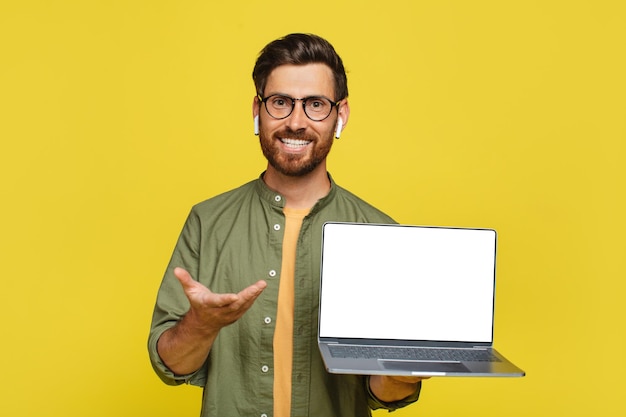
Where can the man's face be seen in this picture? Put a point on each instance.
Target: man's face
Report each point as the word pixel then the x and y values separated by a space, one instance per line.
pixel 297 145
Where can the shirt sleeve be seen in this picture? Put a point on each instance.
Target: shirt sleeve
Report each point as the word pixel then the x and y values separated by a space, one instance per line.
pixel 375 404
pixel 165 374
pixel 172 304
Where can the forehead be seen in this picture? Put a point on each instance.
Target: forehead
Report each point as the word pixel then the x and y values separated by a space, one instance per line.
pixel 301 81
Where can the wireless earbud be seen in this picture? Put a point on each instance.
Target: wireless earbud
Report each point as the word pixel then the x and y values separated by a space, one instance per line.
pixel 256 125
pixel 339 128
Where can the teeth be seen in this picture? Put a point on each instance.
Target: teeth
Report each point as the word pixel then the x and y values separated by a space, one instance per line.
pixel 295 142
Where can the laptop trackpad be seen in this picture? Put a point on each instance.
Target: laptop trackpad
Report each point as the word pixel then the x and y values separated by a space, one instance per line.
pixel 414 366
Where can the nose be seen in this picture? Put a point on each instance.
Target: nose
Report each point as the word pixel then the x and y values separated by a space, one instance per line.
pixel 298 119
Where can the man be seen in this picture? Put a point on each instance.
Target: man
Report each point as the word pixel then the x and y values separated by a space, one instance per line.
pixel 237 309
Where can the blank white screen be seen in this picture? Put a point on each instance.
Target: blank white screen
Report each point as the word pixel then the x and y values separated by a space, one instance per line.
pixel 407 282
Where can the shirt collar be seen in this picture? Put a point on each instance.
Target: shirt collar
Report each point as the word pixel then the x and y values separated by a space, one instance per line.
pixel 278 200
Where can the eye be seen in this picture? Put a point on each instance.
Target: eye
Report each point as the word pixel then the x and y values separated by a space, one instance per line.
pixel 280 102
pixel 317 104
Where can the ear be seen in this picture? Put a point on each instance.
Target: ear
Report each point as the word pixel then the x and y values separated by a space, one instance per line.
pixel 342 117
pixel 255 114
pixel 256 106
pixel 339 127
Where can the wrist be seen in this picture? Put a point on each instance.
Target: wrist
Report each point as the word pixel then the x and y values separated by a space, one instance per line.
pixel 193 325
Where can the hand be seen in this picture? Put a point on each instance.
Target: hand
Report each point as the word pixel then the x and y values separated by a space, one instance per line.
pixel 185 347
pixel 394 388
pixel 210 311
pixel 409 379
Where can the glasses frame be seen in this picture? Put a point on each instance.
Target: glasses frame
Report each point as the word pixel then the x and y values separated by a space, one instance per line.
pixel 293 105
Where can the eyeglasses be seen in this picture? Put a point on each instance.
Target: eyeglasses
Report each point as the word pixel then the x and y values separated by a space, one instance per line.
pixel 316 108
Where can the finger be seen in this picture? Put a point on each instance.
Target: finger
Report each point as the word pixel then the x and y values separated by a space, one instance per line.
pixel 253 290
pixel 201 294
pixel 183 276
pixel 248 295
pixel 222 300
pixel 191 287
pixel 409 379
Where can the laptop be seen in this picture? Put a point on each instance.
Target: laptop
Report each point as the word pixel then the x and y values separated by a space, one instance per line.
pixel 409 300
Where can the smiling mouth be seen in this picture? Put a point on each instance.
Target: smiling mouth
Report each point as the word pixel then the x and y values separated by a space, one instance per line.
pixel 295 143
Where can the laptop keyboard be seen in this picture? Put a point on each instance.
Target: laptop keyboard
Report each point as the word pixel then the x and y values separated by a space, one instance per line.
pixel 401 353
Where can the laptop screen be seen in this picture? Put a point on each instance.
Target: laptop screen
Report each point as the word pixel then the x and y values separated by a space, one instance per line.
pixel 407 282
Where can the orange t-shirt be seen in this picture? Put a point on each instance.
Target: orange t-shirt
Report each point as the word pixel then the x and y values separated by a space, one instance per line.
pixel 283 334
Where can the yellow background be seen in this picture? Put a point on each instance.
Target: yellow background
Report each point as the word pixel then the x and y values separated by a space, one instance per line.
pixel 117 116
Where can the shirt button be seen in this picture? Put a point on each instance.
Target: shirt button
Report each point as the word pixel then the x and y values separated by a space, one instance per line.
pixel 267 320
pixel 263 415
pixel 272 273
pixel 265 368
pixel 277 227
pixel 277 198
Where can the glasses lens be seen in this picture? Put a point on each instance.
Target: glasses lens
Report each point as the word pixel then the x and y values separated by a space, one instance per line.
pixel 317 108
pixel 279 107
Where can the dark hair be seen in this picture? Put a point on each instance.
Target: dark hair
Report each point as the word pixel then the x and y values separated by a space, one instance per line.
pixel 300 49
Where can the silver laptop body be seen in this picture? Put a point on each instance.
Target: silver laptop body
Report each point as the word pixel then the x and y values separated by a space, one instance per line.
pixel 409 300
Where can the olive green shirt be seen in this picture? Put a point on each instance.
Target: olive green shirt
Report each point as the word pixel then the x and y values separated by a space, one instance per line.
pixel 229 242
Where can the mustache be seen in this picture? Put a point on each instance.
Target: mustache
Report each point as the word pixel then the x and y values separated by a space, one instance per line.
pixel 300 134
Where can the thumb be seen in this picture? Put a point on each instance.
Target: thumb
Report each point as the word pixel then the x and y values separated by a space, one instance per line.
pixel 195 292
pixel 198 294
pixel 183 277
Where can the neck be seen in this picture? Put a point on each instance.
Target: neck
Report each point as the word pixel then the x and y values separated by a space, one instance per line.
pixel 300 192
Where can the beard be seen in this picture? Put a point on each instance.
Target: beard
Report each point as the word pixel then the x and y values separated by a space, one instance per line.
pixel 295 165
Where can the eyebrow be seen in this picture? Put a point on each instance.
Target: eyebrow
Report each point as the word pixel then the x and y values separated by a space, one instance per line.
pixel 300 98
